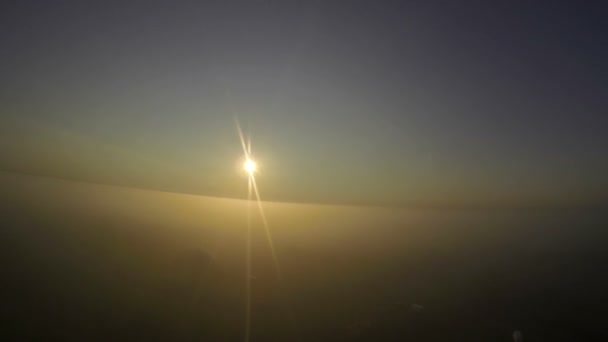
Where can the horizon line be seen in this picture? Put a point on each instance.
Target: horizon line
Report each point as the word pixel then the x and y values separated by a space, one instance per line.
pixel 405 206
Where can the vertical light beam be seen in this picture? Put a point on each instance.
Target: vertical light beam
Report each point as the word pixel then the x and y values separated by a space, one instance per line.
pixel 248 265
pixel 253 190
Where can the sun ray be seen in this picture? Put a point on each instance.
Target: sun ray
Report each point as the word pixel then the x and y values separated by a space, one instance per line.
pixel 250 167
pixel 266 228
pixel 242 137
pixel 249 144
pixel 248 274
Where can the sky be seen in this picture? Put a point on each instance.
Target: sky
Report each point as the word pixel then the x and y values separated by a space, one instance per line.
pixel 398 103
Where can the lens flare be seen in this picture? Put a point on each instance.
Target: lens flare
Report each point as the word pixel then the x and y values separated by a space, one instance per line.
pixel 250 166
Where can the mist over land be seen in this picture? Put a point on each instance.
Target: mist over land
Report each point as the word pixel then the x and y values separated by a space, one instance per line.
pixel 431 170
pixel 96 262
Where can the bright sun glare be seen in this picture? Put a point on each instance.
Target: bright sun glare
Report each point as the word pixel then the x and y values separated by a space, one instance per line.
pixel 250 166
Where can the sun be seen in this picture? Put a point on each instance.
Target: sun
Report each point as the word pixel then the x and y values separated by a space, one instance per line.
pixel 250 166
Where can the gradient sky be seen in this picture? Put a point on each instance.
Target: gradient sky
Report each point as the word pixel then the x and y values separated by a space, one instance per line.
pixel 383 103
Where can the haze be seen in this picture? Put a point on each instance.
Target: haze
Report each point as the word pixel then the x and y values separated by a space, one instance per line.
pixel 422 104
pixel 424 171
